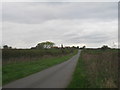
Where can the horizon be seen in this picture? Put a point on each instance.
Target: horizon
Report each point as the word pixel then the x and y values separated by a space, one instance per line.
pixel 59 46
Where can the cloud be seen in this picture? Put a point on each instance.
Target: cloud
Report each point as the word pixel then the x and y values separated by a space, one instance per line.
pixel 91 24
pixel 60 1
pixel 66 32
pixel 40 12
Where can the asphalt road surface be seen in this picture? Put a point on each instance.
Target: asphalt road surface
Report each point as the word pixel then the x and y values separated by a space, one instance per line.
pixel 58 76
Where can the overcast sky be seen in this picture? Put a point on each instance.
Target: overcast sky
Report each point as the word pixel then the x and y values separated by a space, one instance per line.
pixel 74 23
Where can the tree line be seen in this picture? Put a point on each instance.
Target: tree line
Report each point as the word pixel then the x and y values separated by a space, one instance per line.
pixel 49 44
pixel 44 45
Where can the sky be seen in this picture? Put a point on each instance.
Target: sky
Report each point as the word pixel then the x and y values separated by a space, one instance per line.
pixel 92 24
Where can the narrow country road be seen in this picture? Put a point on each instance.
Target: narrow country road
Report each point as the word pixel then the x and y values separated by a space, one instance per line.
pixel 58 76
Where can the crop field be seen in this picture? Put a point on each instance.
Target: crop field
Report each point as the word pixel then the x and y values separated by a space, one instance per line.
pixel 8 54
pixel 20 63
pixel 96 69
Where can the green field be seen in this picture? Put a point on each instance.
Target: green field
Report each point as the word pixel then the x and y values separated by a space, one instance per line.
pixel 14 69
pixel 30 53
pixel 96 69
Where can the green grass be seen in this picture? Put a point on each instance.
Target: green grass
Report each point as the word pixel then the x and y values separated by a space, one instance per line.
pixel 0 73
pixel 14 71
pixel 96 69
pixel 79 77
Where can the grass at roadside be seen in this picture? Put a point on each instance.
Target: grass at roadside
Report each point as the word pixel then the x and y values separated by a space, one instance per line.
pixel 14 71
pixel 79 78
pixel 96 69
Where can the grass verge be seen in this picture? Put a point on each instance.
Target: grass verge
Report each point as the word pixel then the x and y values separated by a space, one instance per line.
pixel 14 71
pixel 96 69
pixel 79 77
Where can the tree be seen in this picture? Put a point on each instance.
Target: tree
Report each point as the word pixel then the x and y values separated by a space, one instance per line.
pixel 104 47
pixel 46 45
pixel 40 46
pixel 77 47
pixel 5 47
pixel 73 47
pixel 10 47
pixel 61 45
pixel 84 47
